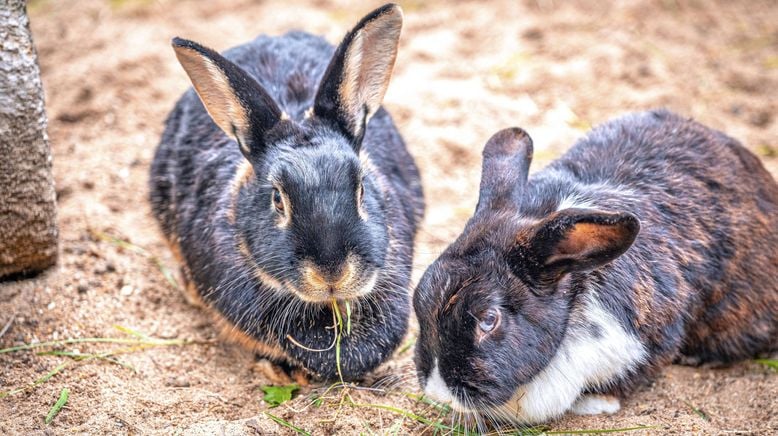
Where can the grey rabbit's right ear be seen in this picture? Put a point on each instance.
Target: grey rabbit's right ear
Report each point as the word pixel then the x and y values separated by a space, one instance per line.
pixel 234 100
pixel 506 160
pixel 358 75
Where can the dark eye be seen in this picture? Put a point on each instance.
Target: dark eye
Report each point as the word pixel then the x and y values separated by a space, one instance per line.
pixel 361 193
pixel 278 201
pixel 489 320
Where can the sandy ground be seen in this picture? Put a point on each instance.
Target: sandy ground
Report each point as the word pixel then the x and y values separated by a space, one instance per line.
pixel 463 72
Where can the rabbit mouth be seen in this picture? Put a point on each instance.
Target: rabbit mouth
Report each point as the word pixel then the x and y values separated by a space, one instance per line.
pixel 351 287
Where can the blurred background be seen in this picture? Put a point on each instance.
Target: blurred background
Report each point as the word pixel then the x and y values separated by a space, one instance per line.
pixel 465 70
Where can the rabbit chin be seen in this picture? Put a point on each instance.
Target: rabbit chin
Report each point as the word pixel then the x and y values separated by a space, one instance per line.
pixel 351 291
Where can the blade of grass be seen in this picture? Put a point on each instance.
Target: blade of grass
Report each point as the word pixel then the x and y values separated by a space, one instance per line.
pixel 131 332
pixel 338 336
pixel 288 425
pixel 699 412
pixel 408 414
pixel 81 356
pixel 348 318
pixel 39 381
pixel 125 341
pixel 770 363
pixel 138 250
pixel 63 399
pixel 407 346
pixel 601 431
pixel 441 407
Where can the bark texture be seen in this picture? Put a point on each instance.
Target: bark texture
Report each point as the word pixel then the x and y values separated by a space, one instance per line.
pixel 28 228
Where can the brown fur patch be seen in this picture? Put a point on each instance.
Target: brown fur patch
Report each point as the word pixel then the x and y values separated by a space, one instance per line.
pixel 231 333
pixel 587 237
pixel 188 288
pixel 243 174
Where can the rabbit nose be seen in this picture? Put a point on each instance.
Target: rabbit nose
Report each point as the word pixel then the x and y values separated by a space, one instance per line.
pixel 329 277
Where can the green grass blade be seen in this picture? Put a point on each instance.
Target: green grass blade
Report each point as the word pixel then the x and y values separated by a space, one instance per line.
pixel 169 277
pixel 83 356
pixel 770 363
pixel 407 346
pixel 601 431
pixel 348 318
pixel 338 336
pixel 131 332
pixel 288 425
pixel 410 415
pixel 37 382
pixel 63 399
pixel 125 341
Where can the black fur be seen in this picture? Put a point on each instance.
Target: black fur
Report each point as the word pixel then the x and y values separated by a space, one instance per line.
pixel 202 212
pixel 684 256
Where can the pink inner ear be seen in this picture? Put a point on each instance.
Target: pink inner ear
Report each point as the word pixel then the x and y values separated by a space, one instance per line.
pixel 586 238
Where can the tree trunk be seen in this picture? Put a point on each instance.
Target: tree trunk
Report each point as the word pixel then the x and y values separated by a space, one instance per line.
pixel 28 227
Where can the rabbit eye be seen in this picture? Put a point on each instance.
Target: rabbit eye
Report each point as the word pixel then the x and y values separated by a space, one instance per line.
pixel 361 194
pixel 278 200
pixel 489 321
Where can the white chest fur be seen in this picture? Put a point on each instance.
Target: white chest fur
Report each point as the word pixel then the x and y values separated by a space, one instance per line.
pixel 587 357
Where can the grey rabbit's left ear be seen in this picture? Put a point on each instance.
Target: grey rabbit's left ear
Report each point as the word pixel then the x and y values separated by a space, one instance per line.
pixel 358 75
pixel 234 100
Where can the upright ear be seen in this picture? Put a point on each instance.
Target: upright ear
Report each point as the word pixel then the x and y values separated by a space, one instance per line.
pixel 236 102
pixel 356 79
pixel 506 160
pixel 572 240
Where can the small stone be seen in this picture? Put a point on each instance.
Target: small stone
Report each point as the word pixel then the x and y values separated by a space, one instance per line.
pixel 82 288
pixel 126 290
pixel 51 306
pixel 177 382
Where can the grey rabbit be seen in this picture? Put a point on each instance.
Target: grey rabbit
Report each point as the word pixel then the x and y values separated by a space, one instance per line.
pixel 282 185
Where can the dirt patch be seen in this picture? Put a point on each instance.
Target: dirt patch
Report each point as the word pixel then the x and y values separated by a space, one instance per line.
pixel 463 72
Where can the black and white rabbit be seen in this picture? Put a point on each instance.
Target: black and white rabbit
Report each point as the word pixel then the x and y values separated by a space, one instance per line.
pixel 285 185
pixel 653 240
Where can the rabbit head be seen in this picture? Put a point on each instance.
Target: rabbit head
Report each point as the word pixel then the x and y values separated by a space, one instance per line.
pixel 306 204
pixel 494 307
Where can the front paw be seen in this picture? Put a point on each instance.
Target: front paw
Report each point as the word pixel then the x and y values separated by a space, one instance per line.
pixel 280 373
pixel 594 404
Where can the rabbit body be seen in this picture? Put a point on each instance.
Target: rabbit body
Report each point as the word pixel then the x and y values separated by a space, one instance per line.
pixel 652 240
pixel 275 217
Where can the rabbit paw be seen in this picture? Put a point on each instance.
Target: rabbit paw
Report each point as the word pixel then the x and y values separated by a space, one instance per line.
pixel 593 404
pixel 280 374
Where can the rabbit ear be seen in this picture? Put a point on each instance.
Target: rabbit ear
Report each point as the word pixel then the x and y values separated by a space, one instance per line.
pixel 506 160
pixel 235 101
pixel 572 240
pixel 356 79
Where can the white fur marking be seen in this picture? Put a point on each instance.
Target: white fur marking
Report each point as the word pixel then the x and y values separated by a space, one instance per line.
pixel 582 360
pixel 596 404
pixel 437 389
pixel 369 285
pixel 574 202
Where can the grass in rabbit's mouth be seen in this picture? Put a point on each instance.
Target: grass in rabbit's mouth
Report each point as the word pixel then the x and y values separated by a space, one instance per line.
pixel 337 327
